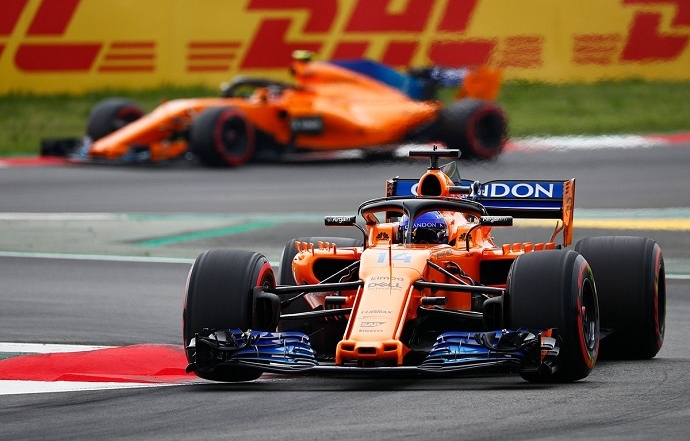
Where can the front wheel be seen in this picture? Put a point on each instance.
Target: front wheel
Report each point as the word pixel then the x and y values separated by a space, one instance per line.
pixel 110 115
pixel 555 289
pixel 631 283
pixel 222 136
pixel 219 295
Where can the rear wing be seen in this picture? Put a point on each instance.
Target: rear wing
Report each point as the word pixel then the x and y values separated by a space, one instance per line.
pixel 544 199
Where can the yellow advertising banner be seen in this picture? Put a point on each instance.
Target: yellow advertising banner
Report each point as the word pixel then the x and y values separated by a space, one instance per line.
pixel 49 46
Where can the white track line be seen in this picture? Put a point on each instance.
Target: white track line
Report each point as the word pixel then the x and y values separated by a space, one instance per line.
pixel 14 387
pixel 585 142
pixel 46 348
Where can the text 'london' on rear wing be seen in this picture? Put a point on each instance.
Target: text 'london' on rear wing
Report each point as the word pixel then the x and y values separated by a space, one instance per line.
pixel 525 199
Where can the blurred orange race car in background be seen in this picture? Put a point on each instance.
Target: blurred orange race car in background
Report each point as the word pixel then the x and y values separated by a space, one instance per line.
pixel 332 106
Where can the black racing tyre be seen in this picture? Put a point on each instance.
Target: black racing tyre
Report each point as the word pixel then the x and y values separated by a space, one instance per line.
pixel 555 289
pixel 222 137
pixel 631 283
pixel 111 114
pixel 219 295
pixel 285 276
pixel 379 154
pixel 478 128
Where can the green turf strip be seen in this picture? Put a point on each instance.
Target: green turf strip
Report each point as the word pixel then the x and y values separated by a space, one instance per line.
pixel 205 234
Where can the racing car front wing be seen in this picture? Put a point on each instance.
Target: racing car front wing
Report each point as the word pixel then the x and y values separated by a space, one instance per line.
pixel 452 352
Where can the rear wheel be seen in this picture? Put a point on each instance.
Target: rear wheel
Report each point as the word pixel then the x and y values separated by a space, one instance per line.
pixel 479 129
pixel 630 276
pixel 381 154
pixel 223 136
pixel 219 295
pixel 555 289
pixel 110 115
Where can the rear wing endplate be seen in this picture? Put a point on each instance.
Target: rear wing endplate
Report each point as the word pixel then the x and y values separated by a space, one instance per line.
pixel 544 199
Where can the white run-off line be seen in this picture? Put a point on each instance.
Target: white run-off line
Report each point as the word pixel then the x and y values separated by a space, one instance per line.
pixel 586 142
pixel 17 387
pixel 21 387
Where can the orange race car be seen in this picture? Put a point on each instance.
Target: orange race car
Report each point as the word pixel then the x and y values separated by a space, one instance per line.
pixel 331 106
pixel 427 291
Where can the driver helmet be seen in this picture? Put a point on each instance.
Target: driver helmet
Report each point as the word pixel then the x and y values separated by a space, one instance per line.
pixel 428 228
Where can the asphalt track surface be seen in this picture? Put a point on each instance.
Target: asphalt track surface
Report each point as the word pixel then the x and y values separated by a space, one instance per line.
pixel 165 215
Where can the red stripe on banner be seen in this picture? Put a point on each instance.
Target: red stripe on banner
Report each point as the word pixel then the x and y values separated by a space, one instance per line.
pixel 53 17
pixel 10 11
pixel 56 57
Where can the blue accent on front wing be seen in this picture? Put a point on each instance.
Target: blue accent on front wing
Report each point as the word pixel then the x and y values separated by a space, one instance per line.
pixel 453 349
pixel 287 348
pixel 82 152
pixel 135 155
pixel 286 352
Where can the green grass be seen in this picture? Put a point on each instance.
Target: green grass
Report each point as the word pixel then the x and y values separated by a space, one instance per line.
pixel 26 119
pixel 600 108
pixel 532 108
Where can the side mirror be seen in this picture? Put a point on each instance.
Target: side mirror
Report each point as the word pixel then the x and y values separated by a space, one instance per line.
pixel 345 221
pixel 340 221
pixel 489 221
pixel 496 221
